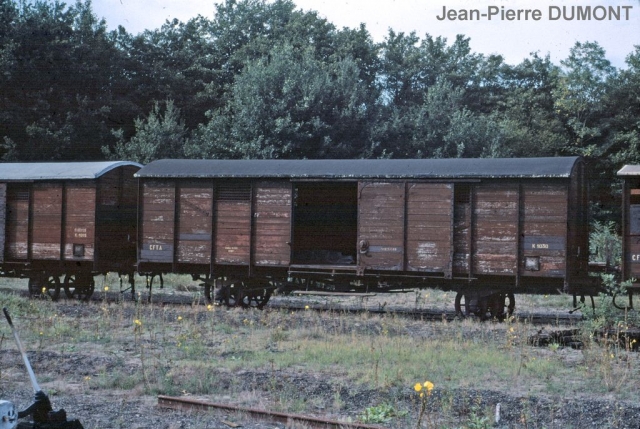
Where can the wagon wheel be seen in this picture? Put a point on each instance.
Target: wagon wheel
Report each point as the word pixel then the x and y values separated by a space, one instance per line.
pixel 79 286
pixel 43 285
pixel 501 305
pixel 209 287
pixel 256 298
pixel 476 306
pixel 460 302
pixel 230 296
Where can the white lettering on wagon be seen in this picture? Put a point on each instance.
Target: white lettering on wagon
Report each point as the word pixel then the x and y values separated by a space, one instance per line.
pixel 80 232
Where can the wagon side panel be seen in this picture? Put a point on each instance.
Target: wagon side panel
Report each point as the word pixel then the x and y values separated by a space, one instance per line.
pixel 381 210
pixel 544 229
pixel 80 206
pixel 115 217
pixel 429 227
pixel 272 223
pixel 46 227
pixel 461 229
pixel 194 222
pixel 158 219
pixel 495 228
pixel 17 226
pixel 3 218
pixel 631 229
pixel 577 253
pixel 233 222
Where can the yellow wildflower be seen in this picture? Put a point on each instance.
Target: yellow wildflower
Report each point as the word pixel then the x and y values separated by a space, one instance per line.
pixel 428 385
pixel 417 387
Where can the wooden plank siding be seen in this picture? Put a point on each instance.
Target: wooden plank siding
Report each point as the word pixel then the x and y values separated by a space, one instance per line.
pixel 3 218
pixel 495 228
pixel 272 223
pixel 158 219
pixel 46 222
pixel 233 223
pixel 544 228
pixel 80 203
pixel 429 227
pixel 381 223
pixel 17 231
pixel 195 199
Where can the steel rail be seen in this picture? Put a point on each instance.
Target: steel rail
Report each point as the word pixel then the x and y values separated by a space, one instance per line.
pixel 187 404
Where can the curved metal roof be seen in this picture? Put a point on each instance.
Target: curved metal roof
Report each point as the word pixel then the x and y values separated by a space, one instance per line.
pixel 465 168
pixel 629 170
pixel 31 171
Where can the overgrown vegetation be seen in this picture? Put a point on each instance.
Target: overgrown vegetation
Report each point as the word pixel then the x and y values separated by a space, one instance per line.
pixel 309 360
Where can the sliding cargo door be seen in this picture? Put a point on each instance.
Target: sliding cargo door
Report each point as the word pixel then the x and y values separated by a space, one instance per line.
pixel 381 209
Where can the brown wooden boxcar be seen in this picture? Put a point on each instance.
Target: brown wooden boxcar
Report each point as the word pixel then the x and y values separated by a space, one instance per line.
pixel 630 230
pixel 487 228
pixel 64 222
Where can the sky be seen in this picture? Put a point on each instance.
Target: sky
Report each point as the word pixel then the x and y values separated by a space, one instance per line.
pixel 547 28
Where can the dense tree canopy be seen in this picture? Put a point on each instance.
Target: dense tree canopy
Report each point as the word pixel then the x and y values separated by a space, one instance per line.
pixel 268 80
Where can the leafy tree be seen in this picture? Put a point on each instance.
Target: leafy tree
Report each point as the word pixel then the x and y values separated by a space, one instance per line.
pixel 160 135
pixel 580 95
pixel 624 104
pixel 290 105
pixel 57 65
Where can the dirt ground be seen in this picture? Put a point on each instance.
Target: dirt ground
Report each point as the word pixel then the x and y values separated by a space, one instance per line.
pixel 133 409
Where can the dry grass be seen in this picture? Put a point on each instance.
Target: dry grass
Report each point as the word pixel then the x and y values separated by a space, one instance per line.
pixel 262 358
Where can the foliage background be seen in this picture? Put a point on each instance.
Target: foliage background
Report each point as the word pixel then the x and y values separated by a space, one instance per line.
pixel 268 80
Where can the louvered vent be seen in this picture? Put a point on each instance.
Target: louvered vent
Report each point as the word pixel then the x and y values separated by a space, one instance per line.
pixel 234 192
pixel 19 194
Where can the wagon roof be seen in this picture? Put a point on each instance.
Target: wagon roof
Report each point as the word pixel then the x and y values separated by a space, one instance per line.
pixel 629 170
pixel 29 171
pixel 470 168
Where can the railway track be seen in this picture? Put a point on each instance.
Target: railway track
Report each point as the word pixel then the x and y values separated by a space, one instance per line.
pixel 297 302
pixel 427 314
pixel 291 420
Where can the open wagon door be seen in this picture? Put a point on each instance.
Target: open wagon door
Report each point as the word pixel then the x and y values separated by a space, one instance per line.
pixel 381 208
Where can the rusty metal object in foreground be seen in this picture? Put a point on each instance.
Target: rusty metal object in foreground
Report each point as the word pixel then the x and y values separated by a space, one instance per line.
pixel 315 422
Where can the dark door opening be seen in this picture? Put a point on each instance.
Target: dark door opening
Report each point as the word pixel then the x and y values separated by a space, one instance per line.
pixel 325 221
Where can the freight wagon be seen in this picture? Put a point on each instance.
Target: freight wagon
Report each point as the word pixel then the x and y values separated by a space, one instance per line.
pixel 64 222
pixel 485 228
pixel 630 268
